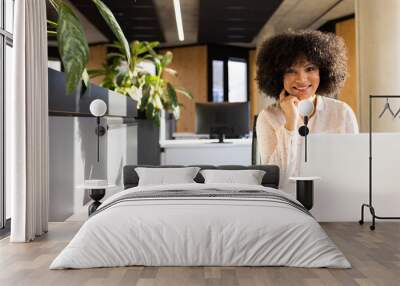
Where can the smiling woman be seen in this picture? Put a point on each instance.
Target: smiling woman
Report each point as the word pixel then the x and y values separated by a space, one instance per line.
pixel 295 66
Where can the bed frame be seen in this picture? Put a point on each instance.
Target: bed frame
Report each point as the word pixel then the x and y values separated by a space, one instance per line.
pixel 270 179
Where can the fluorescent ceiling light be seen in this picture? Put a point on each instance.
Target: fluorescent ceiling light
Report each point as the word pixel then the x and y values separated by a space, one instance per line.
pixel 178 17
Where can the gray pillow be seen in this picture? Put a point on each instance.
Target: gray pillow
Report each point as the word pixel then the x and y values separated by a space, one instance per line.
pixel 165 176
pixel 248 177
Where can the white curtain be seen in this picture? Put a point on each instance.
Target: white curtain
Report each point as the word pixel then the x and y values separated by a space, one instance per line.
pixel 27 124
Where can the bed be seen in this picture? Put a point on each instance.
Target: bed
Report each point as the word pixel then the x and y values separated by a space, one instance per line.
pixel 198 224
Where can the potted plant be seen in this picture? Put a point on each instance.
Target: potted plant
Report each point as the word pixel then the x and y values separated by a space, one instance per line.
pixel 149 89
pixel 122 70
pixel 72 43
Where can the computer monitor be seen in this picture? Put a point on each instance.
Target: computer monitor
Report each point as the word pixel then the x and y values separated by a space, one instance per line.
pixel 229 120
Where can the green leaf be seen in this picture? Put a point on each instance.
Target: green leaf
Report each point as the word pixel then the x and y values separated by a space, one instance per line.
pixel 96 72
pixel 172 94
pixel 148 56
pixel 171 71
pixel 156 118
pixel 158 64
pixel 134 93
pixel 85 77
pixel 115 55
pixel 185 93
pixel 147 47
pixel 52 23
pixel 52 32
pixel 136 47
pixel 72 45
pixel 157 102
pixel 145 98
pixel 114 26
pixel 167 58
pixel 176 111
pixel 150 46
pixel 150 111
pixel 115 45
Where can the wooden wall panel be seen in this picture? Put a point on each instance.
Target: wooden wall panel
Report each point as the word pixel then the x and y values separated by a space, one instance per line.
pixel 349 93
pixel 97 56
pixel 253 85
pixel 191 65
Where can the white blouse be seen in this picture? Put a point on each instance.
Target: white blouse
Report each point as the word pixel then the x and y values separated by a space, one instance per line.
pixel 281 147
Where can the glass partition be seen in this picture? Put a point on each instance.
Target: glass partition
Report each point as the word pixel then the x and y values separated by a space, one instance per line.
pixel 218 81
pixel 237 79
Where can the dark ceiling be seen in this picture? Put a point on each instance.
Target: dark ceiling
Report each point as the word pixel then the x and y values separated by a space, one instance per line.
pixel 233 20
pixel 137 18
pixel 220 21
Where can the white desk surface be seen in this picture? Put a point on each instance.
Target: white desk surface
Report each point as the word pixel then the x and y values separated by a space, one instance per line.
pixel 205 143
pixel 91 187
pixel 304 178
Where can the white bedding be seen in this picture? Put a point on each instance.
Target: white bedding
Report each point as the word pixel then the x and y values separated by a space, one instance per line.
pixel 200 231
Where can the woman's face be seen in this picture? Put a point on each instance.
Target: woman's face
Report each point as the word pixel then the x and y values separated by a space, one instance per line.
pixel 302 79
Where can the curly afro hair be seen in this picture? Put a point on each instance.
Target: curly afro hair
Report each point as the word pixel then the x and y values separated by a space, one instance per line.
pixel 325 50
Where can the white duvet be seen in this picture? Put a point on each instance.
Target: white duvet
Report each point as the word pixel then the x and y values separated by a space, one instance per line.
pixel 193 231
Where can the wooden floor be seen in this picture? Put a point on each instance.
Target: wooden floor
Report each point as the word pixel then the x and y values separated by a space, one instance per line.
pixel 375 257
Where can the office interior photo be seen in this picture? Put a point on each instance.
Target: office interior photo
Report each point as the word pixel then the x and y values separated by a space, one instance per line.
pixel 199 142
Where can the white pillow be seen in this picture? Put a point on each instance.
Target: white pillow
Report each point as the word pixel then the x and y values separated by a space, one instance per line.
pixel 163 176
pixel 248 177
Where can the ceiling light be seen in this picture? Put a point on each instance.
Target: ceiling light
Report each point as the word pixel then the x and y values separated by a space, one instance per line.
pixel 178 17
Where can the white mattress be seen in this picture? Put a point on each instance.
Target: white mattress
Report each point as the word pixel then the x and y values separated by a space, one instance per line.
pixel 200 231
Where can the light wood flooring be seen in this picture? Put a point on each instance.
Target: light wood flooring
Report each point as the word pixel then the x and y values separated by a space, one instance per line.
pixel 375 257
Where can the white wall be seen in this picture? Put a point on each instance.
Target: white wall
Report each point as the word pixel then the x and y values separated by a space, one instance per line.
pixel 73 154
pixel 378 45
pixel 341 160
pixel 122 150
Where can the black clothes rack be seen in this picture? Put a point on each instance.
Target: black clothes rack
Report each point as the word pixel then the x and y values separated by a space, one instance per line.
pixel 369 205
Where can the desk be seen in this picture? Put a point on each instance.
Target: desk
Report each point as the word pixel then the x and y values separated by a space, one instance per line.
pixel 206 152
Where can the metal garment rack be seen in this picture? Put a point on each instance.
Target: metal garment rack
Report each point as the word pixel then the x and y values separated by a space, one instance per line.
pixel 369 205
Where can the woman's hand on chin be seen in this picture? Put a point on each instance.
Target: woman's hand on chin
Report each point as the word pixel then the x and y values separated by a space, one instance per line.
pixel 289 104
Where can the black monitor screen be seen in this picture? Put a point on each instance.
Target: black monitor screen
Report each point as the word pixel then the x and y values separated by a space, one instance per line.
pixel 231 119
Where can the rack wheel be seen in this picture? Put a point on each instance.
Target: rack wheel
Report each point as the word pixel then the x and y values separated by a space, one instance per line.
pixel 372 227
pixel 361 222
